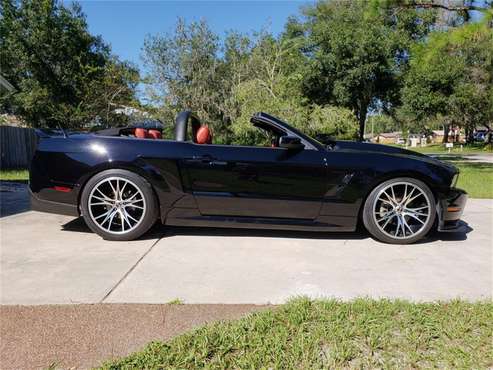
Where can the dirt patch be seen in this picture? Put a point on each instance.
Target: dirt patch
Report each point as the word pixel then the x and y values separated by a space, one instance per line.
pixel 82 336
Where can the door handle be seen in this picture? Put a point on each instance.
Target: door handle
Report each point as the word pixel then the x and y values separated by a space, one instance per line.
pixel 206 158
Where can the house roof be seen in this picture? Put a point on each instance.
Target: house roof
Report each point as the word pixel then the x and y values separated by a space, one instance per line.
pixel 391 134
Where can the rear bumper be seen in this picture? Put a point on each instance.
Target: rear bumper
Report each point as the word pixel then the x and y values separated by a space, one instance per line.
pixel 450 210
pixel 48 206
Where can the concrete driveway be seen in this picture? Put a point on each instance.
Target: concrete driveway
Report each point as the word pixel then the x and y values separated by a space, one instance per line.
pixel 49 259
pixel 466 158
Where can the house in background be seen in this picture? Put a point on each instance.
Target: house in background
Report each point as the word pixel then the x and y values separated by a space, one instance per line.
pixel 389 137
pixel 455 135
pixel 437 136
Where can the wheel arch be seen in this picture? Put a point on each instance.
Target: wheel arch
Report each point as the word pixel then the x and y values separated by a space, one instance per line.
pixel 145 174
pixel 428 181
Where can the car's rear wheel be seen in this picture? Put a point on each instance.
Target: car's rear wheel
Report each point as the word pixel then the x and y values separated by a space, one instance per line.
pixel 118 205
pixel 400 211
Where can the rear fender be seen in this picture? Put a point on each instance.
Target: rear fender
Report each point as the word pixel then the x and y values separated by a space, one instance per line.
pixel 160 187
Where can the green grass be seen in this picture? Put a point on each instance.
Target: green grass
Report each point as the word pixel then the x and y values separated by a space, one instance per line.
pixel 14 175
pixel 441 149
pixel 304 334
pixel 476 179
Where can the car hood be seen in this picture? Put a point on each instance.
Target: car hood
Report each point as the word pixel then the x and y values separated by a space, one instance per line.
pixel 370 147
pixel 386 149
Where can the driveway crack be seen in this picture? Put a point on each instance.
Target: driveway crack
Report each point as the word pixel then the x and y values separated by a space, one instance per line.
pixel 129 271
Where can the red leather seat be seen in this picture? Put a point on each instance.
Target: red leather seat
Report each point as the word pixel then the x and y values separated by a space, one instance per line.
pixel 155 134
pixel 203 135
pixel 141 133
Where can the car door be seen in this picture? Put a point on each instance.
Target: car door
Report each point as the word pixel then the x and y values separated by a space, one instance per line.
pixel 257 181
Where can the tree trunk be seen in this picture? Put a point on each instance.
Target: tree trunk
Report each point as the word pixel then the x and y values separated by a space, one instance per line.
pixel 470 139
pixel 361 115
pixel 446 129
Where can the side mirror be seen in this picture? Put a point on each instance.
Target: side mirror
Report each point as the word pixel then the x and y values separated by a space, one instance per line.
pixel 291 143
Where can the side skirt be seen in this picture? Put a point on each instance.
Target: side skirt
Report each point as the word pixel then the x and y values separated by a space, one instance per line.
pixel 191 217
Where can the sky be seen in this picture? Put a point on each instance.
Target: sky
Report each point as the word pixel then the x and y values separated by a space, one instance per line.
pixel 125 24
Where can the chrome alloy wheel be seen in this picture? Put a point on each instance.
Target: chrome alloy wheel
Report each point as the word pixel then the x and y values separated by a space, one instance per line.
pixel 116 205
pixel 401 210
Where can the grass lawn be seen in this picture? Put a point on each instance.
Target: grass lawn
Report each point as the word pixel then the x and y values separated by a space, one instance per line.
pixel 14 175
pixel 476 179
pixel 441 149
pixel 306 334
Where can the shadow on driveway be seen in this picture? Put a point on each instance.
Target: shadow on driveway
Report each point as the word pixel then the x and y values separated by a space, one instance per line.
pixel 161 231
pixel 14 198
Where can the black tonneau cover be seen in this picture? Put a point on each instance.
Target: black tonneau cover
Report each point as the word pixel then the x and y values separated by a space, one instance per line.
pixel 115 131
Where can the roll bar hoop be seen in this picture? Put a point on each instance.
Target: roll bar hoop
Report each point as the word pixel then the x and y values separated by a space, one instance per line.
pixel 181 125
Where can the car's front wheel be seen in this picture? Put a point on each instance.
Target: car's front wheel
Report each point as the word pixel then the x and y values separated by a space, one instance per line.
pixel 118 205
pixel 400 211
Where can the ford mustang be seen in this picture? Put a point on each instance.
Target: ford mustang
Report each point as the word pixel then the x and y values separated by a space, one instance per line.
pixel 122 180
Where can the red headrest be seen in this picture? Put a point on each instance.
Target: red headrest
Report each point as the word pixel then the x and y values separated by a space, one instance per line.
pixel 203 135
pixel 155 134
pixel 141 133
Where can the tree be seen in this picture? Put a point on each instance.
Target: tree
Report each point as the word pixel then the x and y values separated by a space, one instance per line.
pixel 453 13
pixel 224 83
pixel 273 86
pixel 335 122
pixel 221 82
pixel 62 74
pixel 267 87
pixel 115 88
pixel 358 52
pixel 451 76
pixel 184 70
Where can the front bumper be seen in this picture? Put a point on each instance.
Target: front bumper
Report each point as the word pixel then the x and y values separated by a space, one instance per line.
pixel 450 209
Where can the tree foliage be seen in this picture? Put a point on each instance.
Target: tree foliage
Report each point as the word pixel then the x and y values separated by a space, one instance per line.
pixel 451 76
pixel 62 74
pixel 330 67
pixel 185 70
pixel 225 83
pixel 347 54
pixel 359 53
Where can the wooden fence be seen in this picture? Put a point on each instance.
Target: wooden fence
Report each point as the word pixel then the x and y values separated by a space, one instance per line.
pixel 17 146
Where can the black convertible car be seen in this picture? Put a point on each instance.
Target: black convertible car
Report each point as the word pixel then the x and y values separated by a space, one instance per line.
pixel 122 180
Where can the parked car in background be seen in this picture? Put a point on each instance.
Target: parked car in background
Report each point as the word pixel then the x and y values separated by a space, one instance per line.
pixel 481 136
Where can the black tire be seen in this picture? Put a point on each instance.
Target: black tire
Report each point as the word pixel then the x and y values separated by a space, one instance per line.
pixel 147 217
pixel 370 220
